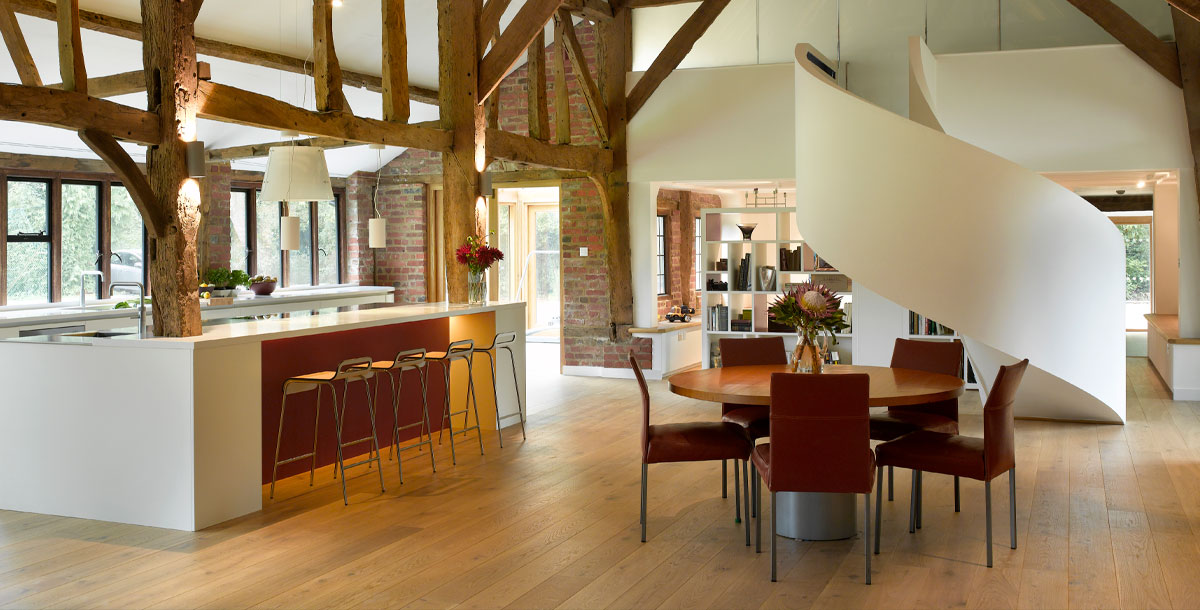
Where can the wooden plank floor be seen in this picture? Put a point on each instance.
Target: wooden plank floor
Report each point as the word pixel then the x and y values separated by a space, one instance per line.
pixel 1108 517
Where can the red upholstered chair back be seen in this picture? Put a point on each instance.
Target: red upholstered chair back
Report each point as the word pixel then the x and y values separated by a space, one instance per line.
pixel 748 352
pixel 999 444
pixel 820 433
pixel 945 357
pixel 641 379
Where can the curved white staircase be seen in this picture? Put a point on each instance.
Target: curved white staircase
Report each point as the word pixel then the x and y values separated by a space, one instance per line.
pixel 1018 265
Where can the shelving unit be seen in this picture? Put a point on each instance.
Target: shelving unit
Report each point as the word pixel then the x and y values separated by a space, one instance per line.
pixel 776 229
pixel 968 370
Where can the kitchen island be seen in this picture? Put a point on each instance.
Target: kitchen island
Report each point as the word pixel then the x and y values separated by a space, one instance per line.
pixel 180 432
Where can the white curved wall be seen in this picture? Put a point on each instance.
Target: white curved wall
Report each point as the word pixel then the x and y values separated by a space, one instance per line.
pixel 968 238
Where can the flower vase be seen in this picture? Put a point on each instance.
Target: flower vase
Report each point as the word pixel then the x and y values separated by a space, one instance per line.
pixel 806 357
pixel 476 287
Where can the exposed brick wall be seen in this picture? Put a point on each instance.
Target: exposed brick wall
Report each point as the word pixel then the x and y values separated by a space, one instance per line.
pixel 359 258
pixel 681 209
pixel 217 228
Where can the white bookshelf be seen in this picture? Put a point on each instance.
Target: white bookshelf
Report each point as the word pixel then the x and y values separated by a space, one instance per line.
pixel 721 239
pixel 968 369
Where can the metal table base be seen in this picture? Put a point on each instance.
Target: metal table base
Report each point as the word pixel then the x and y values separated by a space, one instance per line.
pixel 816 516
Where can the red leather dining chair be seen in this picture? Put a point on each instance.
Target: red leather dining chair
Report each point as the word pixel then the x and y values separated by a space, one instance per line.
pixel 945 357
pixel 819 443
pixel 686 442
pixel 982 459
pixel 755 419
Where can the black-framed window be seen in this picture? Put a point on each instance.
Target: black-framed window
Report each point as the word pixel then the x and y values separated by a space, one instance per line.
pixel 328 240
pixel 126 241
pixel 81 229
pixel 318 260
pixel 662 254
pixel 29 258
pixel 240 229
pixel 696 250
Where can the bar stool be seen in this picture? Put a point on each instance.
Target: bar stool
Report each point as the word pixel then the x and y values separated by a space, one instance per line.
pixel 410 360
pixel 348 371
pixel 504 341
pixel 463 350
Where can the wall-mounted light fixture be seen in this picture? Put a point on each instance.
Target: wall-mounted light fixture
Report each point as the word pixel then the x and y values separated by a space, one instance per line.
pixel 196 166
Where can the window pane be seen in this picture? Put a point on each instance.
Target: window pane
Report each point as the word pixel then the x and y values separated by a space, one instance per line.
pixel 238 250
pixel 503 242
pixel 267 252
pixel 28 207
pixel 28 272
pixel 126 241
pixel 329 258
pixel 80 236
pixel 1137 274
pixel 300 261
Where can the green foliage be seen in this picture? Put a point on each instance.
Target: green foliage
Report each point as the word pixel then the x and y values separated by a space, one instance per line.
pixel 223 278
pixel 1137 261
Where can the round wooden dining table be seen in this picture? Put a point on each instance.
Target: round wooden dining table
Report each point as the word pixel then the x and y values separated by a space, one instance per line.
pixel 815 516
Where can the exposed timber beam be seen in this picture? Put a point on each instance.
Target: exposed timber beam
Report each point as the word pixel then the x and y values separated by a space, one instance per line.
pixel 107 148
pixel 530 20
pixel 646 3
pixel 539 124
pixel 1162 56
pixel 516 147
pixel 1191 8
pixel 132 30
pixel 562 96
pixel 395 62
pixel 113 85
pixel 70 49
pixel 591 93
pixel 10 30
pixel 613 181
pixel 672 54
pixel 592 9
pixel 249 151
pixel 75 111
pixel 1187 36
pixel 230 104
pixel 489 22
pixel 327 73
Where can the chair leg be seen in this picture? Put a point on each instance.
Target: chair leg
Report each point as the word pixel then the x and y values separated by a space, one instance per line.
pixel 878 506
pixel 758 519
pixel 746 495
pixel 773 537
pixel 724 478
pixel 737 495
pixel 891 481
pixel 956 503
pixel 912 506
pixel 1012 507
pixel 920 497
pixel 867 533
pixel 753 505
pixel 987 498
pixel 644 501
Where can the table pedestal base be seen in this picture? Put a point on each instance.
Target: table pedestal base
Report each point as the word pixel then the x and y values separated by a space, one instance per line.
pixel 815 516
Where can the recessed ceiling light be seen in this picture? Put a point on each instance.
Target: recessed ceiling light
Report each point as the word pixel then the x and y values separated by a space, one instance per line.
pixel 1141 184
pixel 336 3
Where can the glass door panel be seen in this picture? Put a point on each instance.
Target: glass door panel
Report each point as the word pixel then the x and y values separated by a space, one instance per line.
pixel 545 305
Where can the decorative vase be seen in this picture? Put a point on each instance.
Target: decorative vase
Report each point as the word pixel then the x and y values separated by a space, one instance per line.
pixel 747 229
pixel 806 358
pixel 476 287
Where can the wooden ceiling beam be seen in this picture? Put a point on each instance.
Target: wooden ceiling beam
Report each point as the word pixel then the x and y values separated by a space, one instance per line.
pixel 327 72
pixel 562 96
pixel 1191 8
pixel 70 49
pixel 113 85
pixel 132 30
pixel 672 54
pixel 1162 56
pixel 250 151
pixel 395 62
pixel 10 30
pixel 494 66
pixel 489 22
pixel 516 147
pixel 230 104
pixel 1187 37
pixel 107 148
pixel 539 124
pixel 591 9
pixel 624 4
pixel 591 93
pixel 76 111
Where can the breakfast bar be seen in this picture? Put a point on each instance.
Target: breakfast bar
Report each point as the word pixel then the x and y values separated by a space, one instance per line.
pixel 180 432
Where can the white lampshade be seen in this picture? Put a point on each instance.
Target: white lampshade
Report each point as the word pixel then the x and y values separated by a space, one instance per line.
pixel 289 233
pixel 296 173
pixel 377 233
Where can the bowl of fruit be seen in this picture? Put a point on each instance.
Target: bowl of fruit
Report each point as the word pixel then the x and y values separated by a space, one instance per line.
pixel 263 285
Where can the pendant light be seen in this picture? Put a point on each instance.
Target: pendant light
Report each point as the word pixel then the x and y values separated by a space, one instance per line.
pixel 297 173
pixel 377 226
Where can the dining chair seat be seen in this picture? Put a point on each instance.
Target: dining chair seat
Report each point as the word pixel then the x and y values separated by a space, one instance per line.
pixel 755 419
pixel 696 442
pixel 939 452
pixel 894 423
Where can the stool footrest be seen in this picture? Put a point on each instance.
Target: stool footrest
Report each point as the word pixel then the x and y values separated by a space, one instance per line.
pixel 295 459
pixel 360 463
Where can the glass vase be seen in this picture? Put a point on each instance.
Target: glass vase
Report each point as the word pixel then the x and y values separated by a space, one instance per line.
pixel 476 287
pixel 806 358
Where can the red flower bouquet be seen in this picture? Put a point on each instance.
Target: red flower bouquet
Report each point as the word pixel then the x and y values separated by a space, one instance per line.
pixel 477 255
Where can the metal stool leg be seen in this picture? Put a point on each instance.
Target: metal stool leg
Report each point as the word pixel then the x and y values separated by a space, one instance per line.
pixel 312 470
pixel 516 386
pixel 278 440
pixel 337 424
pixel 374 434
pixel 447 422
pixel 474 401
pixel 495 397
pixel 424 376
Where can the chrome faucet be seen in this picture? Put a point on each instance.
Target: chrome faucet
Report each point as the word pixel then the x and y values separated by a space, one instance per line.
pixel 83 287
pixel 141 303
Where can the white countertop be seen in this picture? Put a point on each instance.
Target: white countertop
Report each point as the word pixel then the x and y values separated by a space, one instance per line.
pixel 233 331
pixel 102 309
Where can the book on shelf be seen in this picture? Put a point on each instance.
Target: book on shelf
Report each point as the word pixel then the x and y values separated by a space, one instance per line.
pixel 718 318
pixel 791 260
pixel 741 326
pixel 920 325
